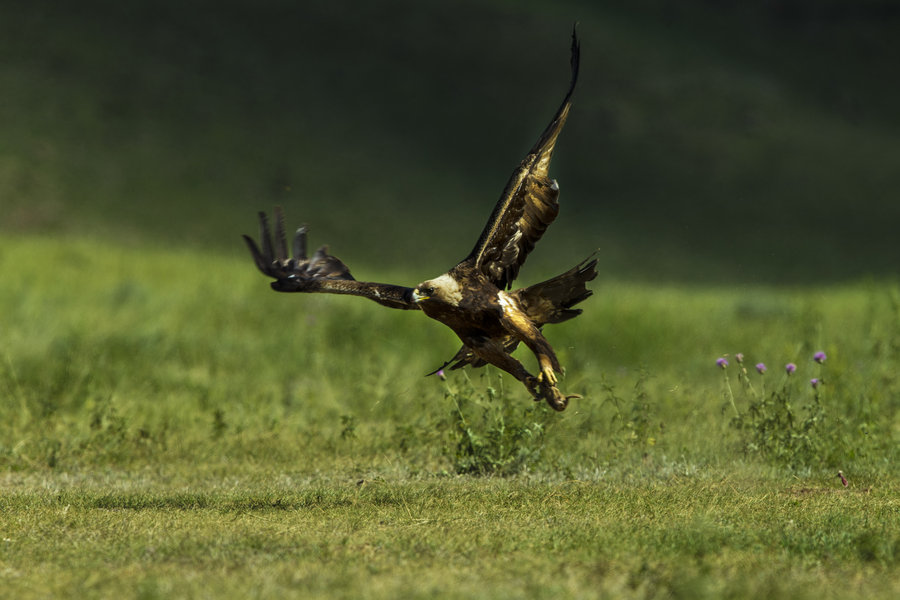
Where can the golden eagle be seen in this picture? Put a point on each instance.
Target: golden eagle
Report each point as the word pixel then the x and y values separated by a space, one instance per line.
pixel 472 297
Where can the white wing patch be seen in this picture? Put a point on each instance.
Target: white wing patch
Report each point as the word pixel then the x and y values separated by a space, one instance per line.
pixel 509 305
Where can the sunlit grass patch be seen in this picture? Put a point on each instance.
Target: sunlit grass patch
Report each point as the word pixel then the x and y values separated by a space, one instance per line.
pixel 467 536
pixel 171 425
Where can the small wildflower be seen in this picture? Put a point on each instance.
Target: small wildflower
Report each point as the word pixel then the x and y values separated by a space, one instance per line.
pixel 761 367
pixel 441 375
pixel 814 382
pixel 739 357
pixel 819 357
pixel 843 479
pixel 790 368
pixel 722 363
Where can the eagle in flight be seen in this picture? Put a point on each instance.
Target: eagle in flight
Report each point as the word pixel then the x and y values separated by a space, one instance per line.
pixel 473 298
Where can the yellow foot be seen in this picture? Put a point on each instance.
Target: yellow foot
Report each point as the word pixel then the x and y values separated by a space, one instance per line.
pixel 547 376
pixel 541 390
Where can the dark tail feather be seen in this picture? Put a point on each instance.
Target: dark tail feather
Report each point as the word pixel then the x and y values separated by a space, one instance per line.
pixel 551 301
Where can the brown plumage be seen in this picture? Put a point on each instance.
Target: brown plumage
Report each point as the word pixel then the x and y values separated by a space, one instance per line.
pixel 543 303
pixel 471 297
pixel 528 204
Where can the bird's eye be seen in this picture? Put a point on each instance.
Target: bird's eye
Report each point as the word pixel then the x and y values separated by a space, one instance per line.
pixel 429 291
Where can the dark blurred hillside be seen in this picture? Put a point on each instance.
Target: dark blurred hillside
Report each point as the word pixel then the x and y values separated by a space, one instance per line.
pixel 754 143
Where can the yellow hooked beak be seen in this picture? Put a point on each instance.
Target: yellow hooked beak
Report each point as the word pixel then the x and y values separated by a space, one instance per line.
pixel 422 293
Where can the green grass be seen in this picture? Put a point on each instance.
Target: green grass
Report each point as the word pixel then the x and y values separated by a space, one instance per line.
pixel 702 537
pixel 170 426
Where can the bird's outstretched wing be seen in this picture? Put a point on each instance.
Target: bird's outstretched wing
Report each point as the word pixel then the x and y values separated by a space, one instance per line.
pixel 465 356
pixel 528 204
pixel 319 273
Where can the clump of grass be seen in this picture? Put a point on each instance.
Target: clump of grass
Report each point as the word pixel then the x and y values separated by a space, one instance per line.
pixel 787 425
pixel 348 427
pixel 490 434
pixel 632 419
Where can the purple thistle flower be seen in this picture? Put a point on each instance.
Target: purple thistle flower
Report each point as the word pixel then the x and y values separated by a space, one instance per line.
pixel 722 363
pixel 790 368
pixel 441 375
pixel 814 382
pixel 739 357
pixel 819 357
pixel 761 367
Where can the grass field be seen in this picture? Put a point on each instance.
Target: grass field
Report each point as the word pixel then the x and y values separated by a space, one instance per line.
pixel 170 427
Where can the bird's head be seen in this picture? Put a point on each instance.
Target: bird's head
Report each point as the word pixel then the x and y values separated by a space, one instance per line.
pixel 444 289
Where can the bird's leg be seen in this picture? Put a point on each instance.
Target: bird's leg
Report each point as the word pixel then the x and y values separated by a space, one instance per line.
pixel 547 372
pixel 549 392
pixel 493 352
pixel 546 380
pixel 541 387
pixel 546 383
pixel 517 323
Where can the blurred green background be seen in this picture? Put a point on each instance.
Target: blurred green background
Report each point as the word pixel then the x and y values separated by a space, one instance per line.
pixel 709 142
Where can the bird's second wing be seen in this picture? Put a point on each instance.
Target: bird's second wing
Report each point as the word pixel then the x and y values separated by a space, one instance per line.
pixel 465 356
pixel 319 273
pixel 528 204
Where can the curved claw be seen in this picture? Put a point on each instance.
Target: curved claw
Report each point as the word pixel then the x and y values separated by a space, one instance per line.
pixel 541 390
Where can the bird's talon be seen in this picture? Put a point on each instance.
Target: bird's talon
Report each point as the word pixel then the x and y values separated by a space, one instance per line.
pixel 547 375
